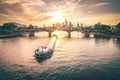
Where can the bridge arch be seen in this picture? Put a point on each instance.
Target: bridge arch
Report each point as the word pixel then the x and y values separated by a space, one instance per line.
pixel 60 33
pixel 77 34
pixel 42 33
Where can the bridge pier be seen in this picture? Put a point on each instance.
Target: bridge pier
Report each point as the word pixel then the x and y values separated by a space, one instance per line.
pixel 69 34
pixel 87 35
pixel 31 34
pixel 50 34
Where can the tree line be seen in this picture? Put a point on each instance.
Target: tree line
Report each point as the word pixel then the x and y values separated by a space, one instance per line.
pixel 107 29
pixel 7 28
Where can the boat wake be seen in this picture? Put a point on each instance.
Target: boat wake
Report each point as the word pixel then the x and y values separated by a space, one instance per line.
pixel 44 52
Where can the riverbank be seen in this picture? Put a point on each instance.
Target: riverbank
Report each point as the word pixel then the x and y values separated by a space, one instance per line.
pixel 107 35
pixel 11 35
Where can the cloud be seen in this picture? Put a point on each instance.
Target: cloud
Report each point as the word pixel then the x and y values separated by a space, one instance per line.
pixel 39 7
pixel 2 16
pixel 8 1
pixel 3 11
pixel 15 9
pixel 39 11
pixel 109 18
pixel 101 4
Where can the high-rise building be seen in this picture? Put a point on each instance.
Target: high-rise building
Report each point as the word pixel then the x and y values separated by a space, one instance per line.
pixel 78 24
pixel 66 23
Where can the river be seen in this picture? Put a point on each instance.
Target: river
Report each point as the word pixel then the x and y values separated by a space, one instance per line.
pixel 76 58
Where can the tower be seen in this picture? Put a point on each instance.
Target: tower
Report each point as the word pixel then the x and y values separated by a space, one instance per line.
pixel 66 22
pixel 78 25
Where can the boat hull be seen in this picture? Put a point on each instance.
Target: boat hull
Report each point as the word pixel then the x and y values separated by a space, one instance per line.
pixel 44 55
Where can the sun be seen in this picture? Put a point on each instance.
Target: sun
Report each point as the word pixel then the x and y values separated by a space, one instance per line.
pixel 56 33
pixel 57 17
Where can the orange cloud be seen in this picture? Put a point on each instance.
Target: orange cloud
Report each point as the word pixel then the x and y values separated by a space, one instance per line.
pixel 39 11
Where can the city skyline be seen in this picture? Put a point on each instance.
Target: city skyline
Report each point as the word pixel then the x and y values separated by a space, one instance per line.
pixel 39 12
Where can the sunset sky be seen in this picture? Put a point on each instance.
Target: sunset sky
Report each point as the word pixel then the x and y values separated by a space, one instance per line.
pixel 39 12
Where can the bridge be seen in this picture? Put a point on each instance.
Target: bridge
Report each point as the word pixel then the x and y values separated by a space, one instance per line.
pixel 52 29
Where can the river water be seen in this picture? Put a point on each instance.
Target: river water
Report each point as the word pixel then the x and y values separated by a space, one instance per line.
pixel 76 58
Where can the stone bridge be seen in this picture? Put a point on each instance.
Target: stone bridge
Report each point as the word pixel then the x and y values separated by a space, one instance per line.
pixel 52 29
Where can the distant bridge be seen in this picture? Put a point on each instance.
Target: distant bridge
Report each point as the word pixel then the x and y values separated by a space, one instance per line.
pixel 52 29
pixel 32 32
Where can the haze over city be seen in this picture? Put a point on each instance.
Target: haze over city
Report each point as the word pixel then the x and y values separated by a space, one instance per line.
pixel 39 12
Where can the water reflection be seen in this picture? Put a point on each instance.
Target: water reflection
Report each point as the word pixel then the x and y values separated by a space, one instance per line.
pixel 40 60
pixel 45 52
pixel 101 36
pixel 73 58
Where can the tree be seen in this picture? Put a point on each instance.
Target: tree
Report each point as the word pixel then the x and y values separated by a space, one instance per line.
pixel 9 26
pixel 97 27
pixel 117 29
pixel 102 28
pixel 31 26
pixel 106 28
